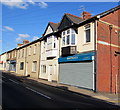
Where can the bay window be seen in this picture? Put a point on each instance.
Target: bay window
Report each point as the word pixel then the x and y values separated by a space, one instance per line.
pixel 68 37
pixel 73 39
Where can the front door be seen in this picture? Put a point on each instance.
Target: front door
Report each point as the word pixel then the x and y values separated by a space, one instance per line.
pixel 50 73
pixel 26 69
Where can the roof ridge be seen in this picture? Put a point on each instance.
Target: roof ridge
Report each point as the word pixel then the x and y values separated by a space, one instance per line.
pixel 73 15
pixel 52 22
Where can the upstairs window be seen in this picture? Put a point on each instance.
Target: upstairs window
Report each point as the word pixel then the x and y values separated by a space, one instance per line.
pixel 87 32
pixel 30 50
pixel 63 40
pixel 55 42
pixel 21 65
pixel 73 39
pixel 35 47
pixel 68 37
pixel 68 40
pixel 23 53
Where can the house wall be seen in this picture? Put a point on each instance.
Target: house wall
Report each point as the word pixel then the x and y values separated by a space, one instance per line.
pixel 48 31
pixel 82 46
pixel 107 62
pixel 11 56
pixel 48 62
pixel 28 57
pixel 31 58
pixel 20 59
pixel 3 65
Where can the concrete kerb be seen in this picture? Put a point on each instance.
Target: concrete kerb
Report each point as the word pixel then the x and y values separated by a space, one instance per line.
pixel 110 98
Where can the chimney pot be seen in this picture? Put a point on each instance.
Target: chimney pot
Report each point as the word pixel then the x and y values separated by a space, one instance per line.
pixel 86 15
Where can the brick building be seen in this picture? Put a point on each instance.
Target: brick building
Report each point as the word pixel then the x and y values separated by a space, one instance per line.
pixel 108 48
pixel 95 63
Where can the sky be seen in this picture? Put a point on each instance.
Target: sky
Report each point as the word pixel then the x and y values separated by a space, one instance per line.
pixel 28 20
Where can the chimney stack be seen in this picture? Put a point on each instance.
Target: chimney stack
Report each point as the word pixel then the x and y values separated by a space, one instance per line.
pixel 25 42
pixel 86 15
pixel 18 45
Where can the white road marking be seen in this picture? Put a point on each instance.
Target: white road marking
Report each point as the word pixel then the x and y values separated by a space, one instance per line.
pixel 14 81
pixel 38 93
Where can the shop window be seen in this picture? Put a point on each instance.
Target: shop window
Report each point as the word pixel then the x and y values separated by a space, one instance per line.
pixel 68 37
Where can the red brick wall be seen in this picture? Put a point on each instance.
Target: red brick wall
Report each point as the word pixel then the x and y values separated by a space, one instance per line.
pixel 105 55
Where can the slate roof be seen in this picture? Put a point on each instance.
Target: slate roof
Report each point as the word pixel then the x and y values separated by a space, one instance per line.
pixel 73 18
pixel 54 26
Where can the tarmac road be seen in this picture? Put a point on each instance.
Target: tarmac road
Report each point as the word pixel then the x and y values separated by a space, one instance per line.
pixel 28 94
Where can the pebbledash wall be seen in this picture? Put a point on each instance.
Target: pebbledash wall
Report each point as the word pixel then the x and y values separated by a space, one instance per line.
pixel 108 41
pixel 28 57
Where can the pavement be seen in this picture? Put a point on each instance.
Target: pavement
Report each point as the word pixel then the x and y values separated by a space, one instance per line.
pixel 110 98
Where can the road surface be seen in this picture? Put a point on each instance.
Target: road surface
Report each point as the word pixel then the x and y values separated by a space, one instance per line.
pixel 28 94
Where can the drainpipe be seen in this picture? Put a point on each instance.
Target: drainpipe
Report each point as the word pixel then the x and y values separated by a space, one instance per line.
pixel 110 28
pixel 25 62
pixel 95 56
pixel 59 40
pixel 39 61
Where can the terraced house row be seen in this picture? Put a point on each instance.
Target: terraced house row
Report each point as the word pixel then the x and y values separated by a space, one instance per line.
pixel 79 51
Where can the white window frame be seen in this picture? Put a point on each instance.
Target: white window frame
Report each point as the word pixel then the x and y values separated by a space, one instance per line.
pixel 21 65
pixel 15 53
pixel 29 50
pixel 22 52
pixel 55 69
pixel 85 32
pixel 70 37
pixel 34 66
pixel 35 49
pixel 43 69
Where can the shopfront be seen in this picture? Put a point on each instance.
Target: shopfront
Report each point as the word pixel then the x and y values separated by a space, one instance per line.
pixel 77 70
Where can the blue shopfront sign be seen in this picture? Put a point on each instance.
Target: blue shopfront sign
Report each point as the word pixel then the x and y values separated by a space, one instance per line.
pixel 13 61
pixel 77 57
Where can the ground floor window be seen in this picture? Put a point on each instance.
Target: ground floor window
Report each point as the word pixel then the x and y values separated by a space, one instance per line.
pixel 43 68
pixel 34 67
pixel 21 65
pixel 55 69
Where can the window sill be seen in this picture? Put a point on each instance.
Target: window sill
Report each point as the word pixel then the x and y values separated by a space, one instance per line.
pixel 33 71
pixel 88 43
pixel 69 45
pixel 43 73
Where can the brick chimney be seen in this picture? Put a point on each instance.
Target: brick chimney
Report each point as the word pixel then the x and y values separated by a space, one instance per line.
pixel 86 15
pixel 18 45
pixel 26 42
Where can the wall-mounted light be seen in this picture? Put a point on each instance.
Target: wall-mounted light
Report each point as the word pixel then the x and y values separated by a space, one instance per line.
pixel 116 53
